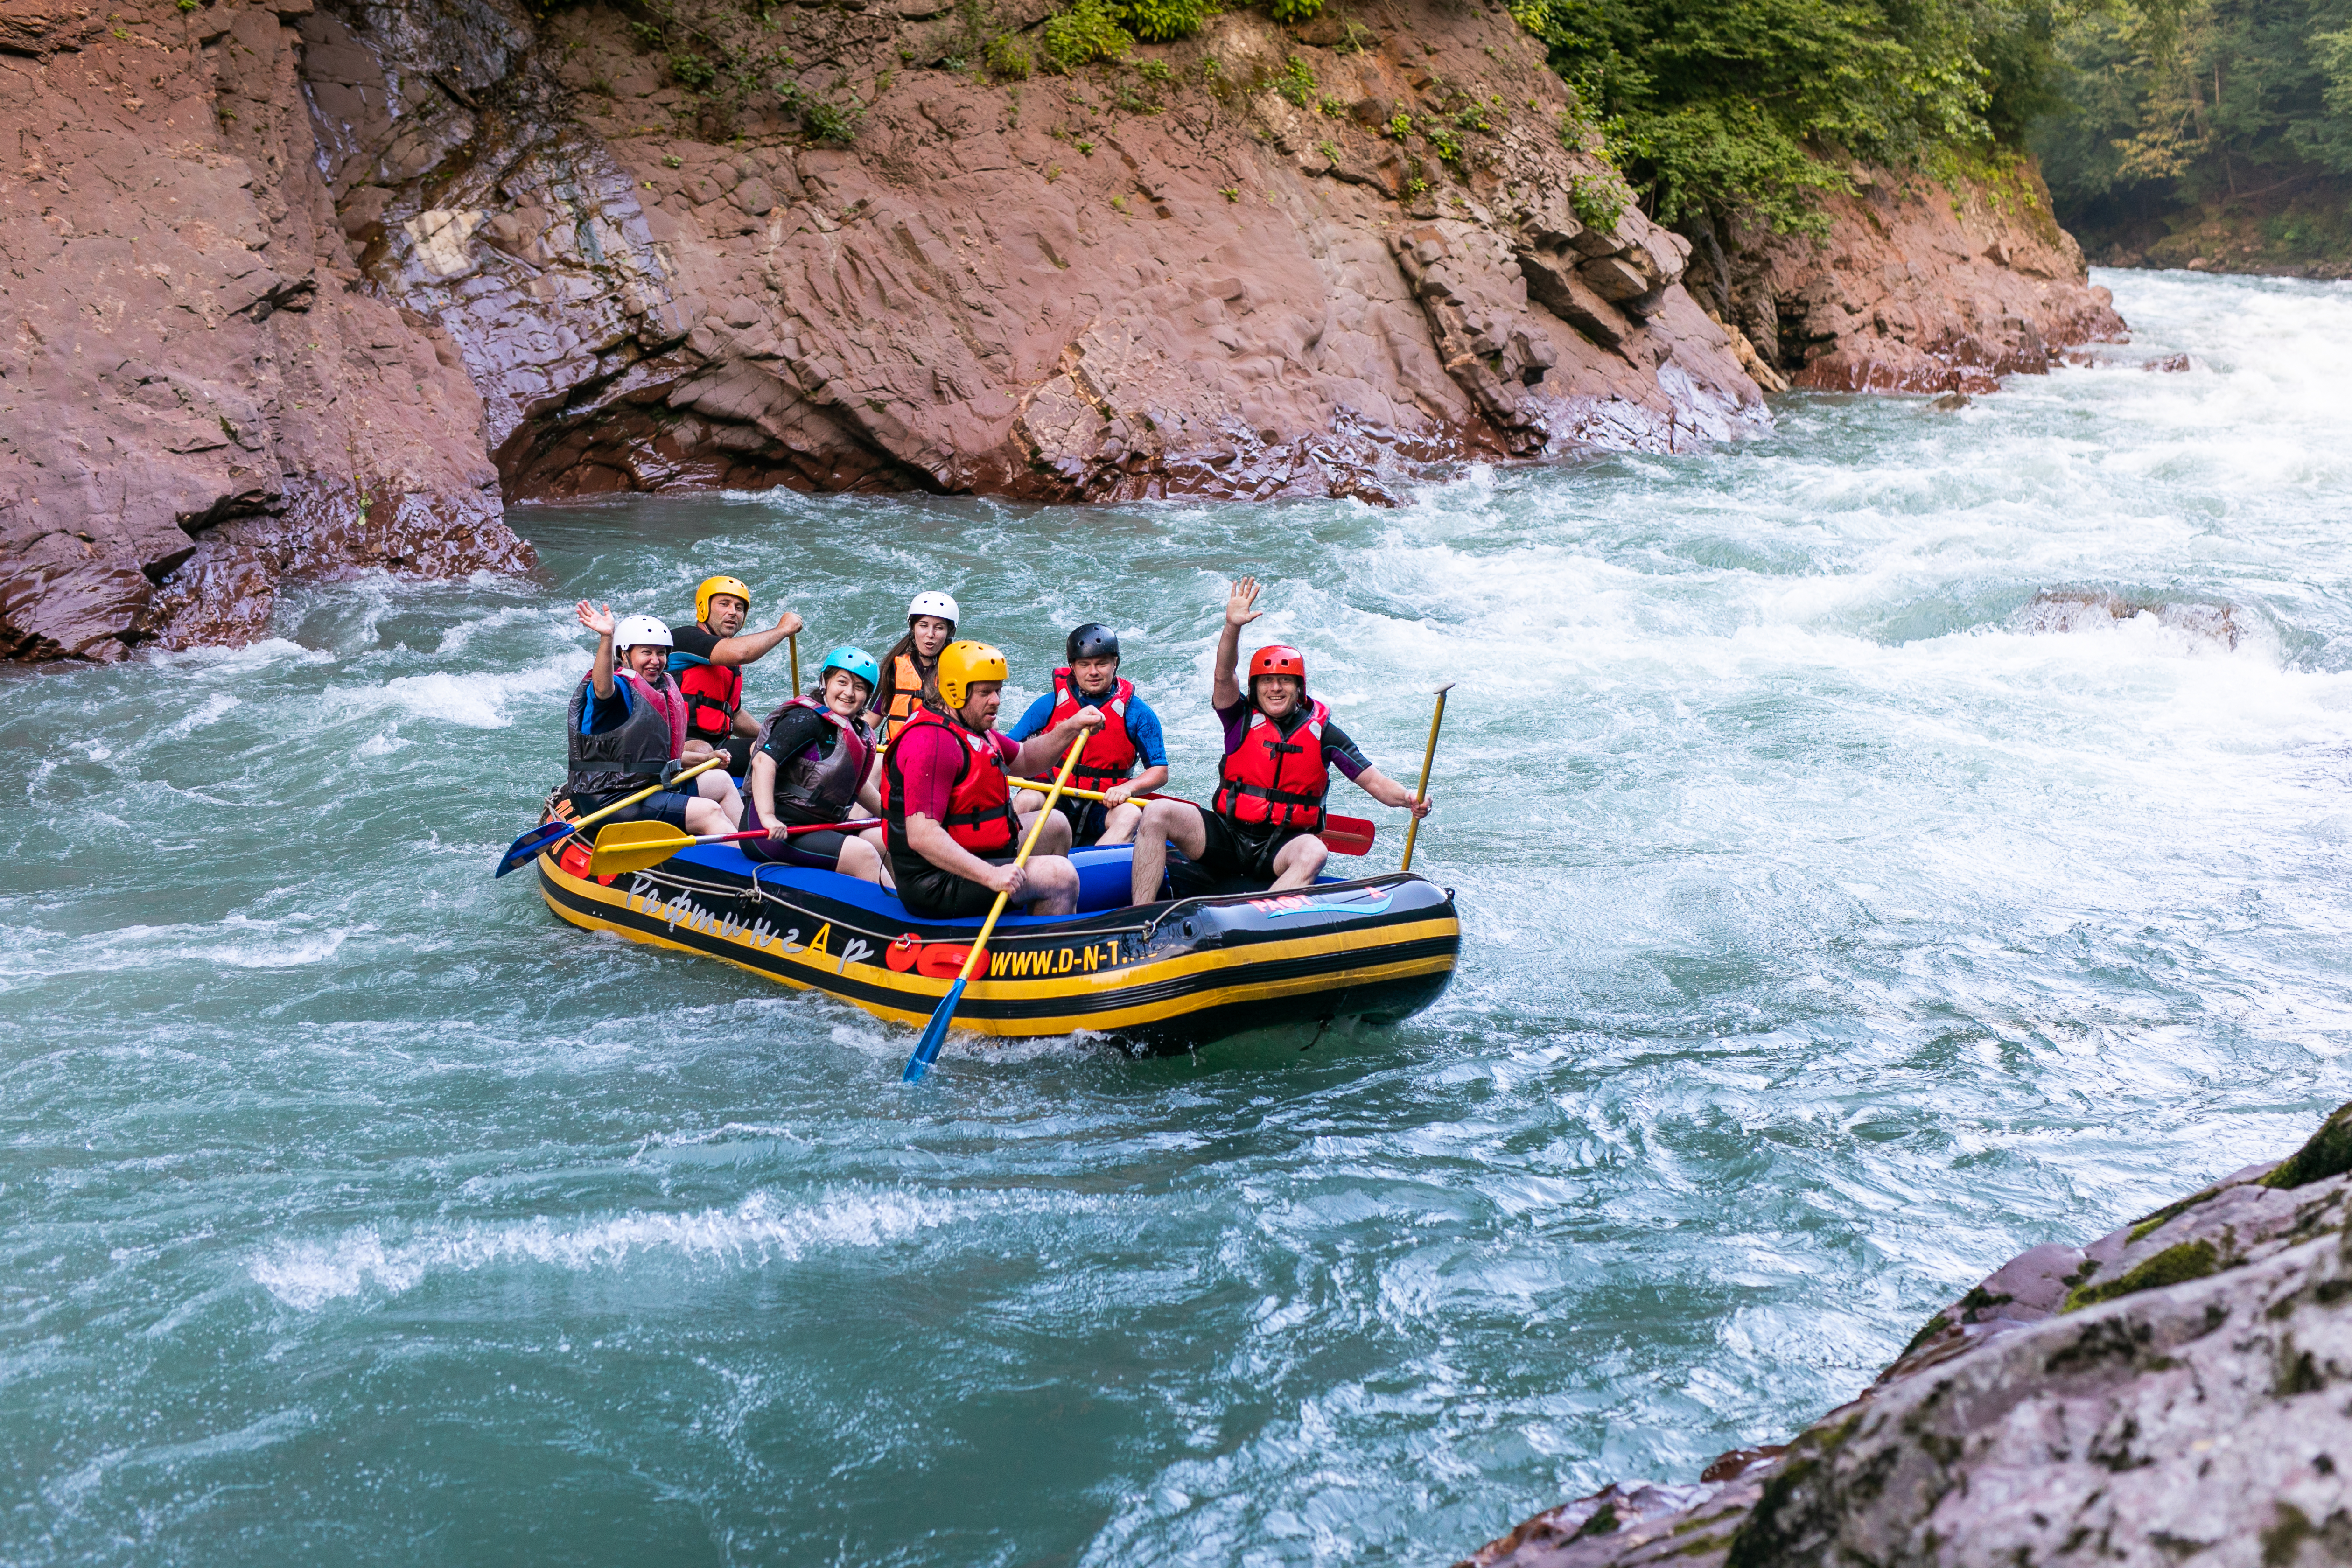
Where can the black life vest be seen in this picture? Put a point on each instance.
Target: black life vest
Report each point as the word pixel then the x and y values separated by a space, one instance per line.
pixel 1110 755
pixel 815 786
pixel 629 756
pixel 713 693
pixel 1269 780
pixel 980 806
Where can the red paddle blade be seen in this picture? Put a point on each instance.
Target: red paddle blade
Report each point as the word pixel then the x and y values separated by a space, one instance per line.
pixel 1349 835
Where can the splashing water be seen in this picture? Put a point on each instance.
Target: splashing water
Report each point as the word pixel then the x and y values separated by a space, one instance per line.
pixel 1884 846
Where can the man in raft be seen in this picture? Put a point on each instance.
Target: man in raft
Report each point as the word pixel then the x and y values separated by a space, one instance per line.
pixel 627 731
pixel 1131 732
pixel 947 799
pixel 1280 748
pixel 707 661
pixel 908 668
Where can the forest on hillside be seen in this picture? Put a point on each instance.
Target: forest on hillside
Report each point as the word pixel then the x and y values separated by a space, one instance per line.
pixel 2169 131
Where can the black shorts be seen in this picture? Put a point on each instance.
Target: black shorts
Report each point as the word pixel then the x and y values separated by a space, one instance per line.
pixel 1087 819
pixel 936 895
pixel 665 805
pixel 820 851
pixel 1234 850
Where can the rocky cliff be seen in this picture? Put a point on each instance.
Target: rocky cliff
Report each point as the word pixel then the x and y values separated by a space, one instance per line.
pixel 2174 1392
pixel 1921 286
pixel 296 289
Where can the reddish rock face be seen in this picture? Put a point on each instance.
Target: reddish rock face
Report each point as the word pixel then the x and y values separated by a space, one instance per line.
pixel 296 290
pixel 1918 289
pixel 1093 287
pixel 190 365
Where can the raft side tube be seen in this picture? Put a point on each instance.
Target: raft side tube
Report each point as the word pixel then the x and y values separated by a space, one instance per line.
pixel 1165 977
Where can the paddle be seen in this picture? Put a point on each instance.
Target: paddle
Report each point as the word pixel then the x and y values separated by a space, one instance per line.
pixel 633 845
pixel 1427 759
pixel 935 1034
pixel 1341 835
pixel 548 835
pixel 792 645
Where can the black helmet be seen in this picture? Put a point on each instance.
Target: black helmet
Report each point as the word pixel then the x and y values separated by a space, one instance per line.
pixel 1093 640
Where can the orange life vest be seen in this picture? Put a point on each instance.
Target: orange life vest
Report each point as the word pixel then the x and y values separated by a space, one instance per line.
pixel 906 696
pixel 1110 755
pixel 1270 780
pixel 980 806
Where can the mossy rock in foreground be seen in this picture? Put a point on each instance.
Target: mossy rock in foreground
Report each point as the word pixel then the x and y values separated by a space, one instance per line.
pixel 2173 1265
pixel 2328 1153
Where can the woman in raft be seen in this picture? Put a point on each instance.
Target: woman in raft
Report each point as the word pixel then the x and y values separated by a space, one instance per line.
pixel 913 665
pixel 814 760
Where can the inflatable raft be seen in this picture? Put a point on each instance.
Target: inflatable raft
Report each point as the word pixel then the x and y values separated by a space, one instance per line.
pixel 1163 978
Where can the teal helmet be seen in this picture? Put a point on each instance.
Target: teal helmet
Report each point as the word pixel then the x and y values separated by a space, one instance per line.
pixel 857 662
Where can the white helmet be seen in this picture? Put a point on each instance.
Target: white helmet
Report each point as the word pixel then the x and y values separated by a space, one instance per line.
pixel 934 604
pixel 641 631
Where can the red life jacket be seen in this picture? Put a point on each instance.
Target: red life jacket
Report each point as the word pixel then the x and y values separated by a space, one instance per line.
pixel 980 806
pixel 1268 779
pixel 1110 755
pixel 713 694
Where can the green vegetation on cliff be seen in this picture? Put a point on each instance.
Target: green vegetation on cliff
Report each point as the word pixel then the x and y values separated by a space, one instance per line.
pixel 1752 108
pixel 2195 126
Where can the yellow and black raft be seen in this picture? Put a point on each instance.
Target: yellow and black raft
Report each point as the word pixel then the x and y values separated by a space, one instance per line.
pixel 1163 977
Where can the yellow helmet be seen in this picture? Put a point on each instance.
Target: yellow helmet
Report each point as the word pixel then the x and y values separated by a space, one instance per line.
pixel 731 585
pixel 962 664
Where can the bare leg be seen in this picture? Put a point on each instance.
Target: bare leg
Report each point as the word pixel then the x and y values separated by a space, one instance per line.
pixel 1052 885
pixel 1028 802
pixel 860 859
pixel 704 817
pixel 1056 838
pixel 1119 825
pixel 719 790
pixel 1164 822
pixel 874 836
pixel 1298 862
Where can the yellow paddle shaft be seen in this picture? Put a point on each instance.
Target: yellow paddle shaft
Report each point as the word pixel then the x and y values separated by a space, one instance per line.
pixel 1031 786
pixel 792 645
pixel 1428 758
pixel 700 767
pixel 988 926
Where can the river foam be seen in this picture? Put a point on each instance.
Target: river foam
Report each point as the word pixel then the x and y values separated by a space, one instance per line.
pixel 1884 845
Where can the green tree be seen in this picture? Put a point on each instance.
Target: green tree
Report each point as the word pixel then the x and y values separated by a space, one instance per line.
pixel 2181 104
pixel 1714 108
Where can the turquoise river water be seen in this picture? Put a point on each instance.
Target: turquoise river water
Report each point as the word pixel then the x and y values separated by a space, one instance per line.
pixel 1882 846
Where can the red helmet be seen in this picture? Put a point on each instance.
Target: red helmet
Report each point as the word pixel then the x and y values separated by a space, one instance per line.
pixel 1279 658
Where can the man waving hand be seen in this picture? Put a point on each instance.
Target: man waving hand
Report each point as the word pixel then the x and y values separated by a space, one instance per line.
pixel 1280 748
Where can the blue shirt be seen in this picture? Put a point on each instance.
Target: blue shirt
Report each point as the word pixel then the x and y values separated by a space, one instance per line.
pixel 602 713
pixel 1142 727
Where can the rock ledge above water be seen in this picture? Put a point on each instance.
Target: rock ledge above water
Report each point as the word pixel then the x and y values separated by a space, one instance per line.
pixel 310 287
pixel 2174 1392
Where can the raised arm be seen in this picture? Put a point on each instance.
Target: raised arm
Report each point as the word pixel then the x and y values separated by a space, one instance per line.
pixel 600 621
pixel 745 646
pixel 1225 691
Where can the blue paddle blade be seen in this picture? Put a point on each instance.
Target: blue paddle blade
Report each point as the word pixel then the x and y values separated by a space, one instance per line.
pixel 527 849
pixel 935 1034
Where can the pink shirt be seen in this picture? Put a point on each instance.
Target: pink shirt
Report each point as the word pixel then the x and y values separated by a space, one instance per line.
pixel 928 757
